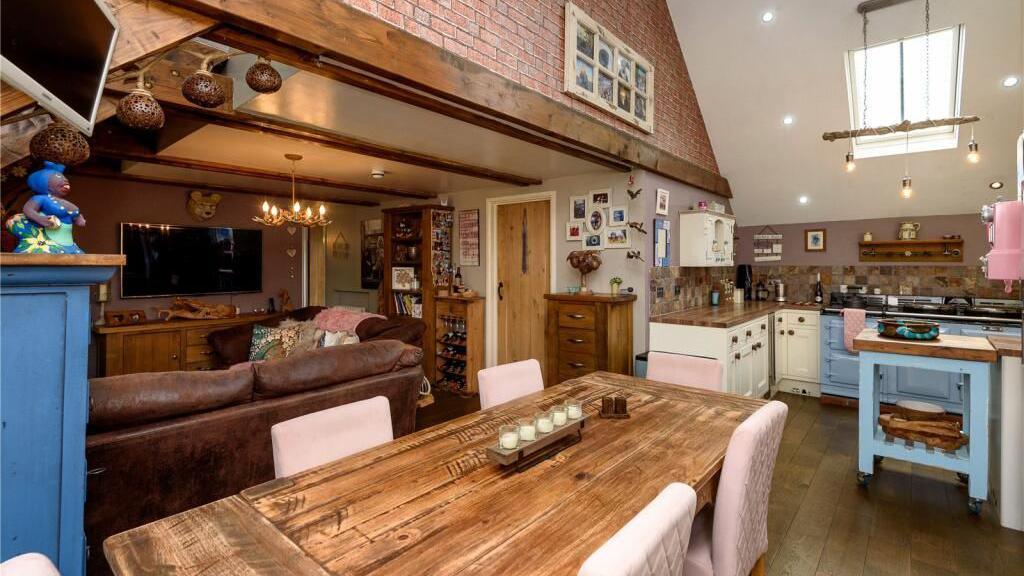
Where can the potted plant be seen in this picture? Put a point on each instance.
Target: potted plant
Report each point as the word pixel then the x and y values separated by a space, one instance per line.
pixel 616 282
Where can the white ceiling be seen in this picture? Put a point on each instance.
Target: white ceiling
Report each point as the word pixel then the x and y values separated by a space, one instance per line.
pixel 749 75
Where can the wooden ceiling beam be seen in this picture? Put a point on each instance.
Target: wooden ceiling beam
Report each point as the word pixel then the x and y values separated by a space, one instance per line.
pixel 147 27
pixel 96 171
pixel 167 89
pixel 205 166
pixel 309 62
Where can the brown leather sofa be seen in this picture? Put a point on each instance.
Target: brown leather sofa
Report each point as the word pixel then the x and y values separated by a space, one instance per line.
pixel 162 443
pixel 231 345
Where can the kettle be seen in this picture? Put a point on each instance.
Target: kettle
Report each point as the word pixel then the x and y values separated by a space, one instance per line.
pixel 908 230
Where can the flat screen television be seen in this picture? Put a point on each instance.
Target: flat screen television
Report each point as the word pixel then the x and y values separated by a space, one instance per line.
pixel 58 52
pixel 165 260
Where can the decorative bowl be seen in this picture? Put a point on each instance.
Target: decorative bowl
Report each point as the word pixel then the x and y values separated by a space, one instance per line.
pixel 908 329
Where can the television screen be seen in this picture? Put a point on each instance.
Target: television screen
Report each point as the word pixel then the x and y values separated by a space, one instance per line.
pixel 165 260
pixel 57 52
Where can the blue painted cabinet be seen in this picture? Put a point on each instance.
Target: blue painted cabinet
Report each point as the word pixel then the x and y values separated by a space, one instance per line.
pixel 840 368
pixel 44 402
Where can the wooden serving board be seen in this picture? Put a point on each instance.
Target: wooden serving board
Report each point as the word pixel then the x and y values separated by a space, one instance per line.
pixel 516 455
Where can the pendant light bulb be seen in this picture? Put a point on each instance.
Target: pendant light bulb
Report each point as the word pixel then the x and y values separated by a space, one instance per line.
pixel 973 156
pixel 906 188
pixel 850 164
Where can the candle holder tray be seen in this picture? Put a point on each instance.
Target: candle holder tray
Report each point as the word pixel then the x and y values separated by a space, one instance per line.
pixel 546 445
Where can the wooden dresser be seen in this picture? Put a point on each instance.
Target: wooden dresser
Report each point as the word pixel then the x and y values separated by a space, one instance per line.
pixel 160 346
pixel 587 333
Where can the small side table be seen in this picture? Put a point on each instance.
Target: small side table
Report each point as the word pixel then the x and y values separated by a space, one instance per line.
pixel 972 357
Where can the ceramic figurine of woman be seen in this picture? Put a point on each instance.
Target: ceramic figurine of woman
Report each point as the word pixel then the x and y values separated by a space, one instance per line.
pixel 46 221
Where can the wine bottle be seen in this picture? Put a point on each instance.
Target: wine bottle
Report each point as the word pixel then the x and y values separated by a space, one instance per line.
pixel 458 279
pixel 819 295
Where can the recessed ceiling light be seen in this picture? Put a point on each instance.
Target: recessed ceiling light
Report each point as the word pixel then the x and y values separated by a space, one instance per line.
pixel 787 120
pixel 802 199
pixel 767 16
pixel 995 185
pixel 1010 81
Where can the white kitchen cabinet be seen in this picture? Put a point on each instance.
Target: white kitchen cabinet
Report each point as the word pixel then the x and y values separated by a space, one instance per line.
pixel 797 345
pixel 743 350
pixel 705 239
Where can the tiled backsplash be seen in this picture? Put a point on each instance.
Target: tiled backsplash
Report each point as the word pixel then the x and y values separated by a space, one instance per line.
pixel 916 280
pixel 674 288
pixel 695 284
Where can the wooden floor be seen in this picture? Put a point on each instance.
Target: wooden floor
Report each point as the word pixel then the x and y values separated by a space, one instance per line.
pixel 911 520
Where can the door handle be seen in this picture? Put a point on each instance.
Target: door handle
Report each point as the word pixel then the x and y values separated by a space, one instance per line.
pixel 501 286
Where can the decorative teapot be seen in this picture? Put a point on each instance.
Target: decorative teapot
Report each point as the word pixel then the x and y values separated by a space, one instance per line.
pixel 908 230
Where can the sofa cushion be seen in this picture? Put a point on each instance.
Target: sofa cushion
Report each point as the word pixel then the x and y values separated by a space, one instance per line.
pixel 405 328
pixel 231 345
pixel 120 401
pixel 326 366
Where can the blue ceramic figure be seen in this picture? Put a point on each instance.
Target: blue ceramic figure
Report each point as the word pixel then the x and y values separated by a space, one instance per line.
pixel 45 224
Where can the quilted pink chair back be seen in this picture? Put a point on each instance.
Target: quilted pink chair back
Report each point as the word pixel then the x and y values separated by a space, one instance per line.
pixel 500 384
pixel 321 437
pixel 30 564
pixel 685 370
pixel 653 543
pixel 740 533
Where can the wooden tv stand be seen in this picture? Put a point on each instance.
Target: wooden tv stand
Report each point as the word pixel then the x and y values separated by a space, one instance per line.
pixel 160 345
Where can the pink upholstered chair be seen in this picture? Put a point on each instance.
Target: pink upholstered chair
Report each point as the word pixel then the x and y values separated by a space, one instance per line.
pixel 500 384
pixel 685 370
pixel 321 437
pixel 653 543
pixel 31 564
pixel 730 538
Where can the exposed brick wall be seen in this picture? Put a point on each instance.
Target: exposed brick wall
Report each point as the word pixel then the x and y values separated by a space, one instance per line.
pixel 523 40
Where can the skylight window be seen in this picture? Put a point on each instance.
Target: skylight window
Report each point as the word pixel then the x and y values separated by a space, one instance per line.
pixel 896 91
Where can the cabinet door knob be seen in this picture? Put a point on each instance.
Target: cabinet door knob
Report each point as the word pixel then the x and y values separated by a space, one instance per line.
pixel 737 356
pixel 782 332
pixel 735 339
pixel 800 319
pixel 577 316
pixel 791 332
pixel 750 332
pixel 764 326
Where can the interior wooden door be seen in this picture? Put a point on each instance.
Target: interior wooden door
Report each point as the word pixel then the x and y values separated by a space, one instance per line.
pixel 523 234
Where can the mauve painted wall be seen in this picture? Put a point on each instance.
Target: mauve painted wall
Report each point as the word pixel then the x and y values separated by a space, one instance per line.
pixel 106 203
pixel 842 238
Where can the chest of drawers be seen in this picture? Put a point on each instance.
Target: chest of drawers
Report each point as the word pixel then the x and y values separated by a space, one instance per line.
pixel 586 333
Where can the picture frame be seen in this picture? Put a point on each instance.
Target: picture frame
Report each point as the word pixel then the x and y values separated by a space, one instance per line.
pixel 574 231
pixel 617 238
pixel 662 242
pixel 469 237
pixel 661 202
pixel 402 277
pixel 593 241
pixel 600 198
pixel 618 216
pixel 577 208
pixel 815 240
pixel 371 254
pixel 596 220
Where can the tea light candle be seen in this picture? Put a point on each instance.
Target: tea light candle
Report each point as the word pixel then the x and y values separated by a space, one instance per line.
pixel 558 415
pixel 544 423
pixel 508 437
pixel 573 409
pixel 527 430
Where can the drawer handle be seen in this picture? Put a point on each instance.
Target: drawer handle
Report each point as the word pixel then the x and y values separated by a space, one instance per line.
pixel 576 340
pixel 737 356
pixel 735 339
pixel 96 471
pixel 577 316
pixel 206 352
pixel 576 364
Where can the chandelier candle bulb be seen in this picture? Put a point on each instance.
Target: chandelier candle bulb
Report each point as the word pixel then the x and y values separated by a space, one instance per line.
pixel 508 437
pixel 527 430
pixel 558 415
pixel 266 207
pixel 544 423
pixel 322 210
pixel 274 211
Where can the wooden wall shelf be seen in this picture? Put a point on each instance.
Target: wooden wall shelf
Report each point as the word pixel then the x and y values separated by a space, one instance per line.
pixel 941 250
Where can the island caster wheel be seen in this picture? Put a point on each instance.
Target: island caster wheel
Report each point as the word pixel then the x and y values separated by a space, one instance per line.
pixel 863 478
pixel 963 478
pixel 974 506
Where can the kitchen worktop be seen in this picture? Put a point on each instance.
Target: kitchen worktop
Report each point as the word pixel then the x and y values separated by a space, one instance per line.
pixel 1006 345
pixel 949 346
pixel 728 314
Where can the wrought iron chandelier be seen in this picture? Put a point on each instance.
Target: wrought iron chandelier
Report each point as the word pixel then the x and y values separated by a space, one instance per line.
pixel 274 216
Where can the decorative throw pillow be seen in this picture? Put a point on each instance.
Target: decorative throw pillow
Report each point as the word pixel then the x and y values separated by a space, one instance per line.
pixel 308 340
pixel 272 342
pixel 339 338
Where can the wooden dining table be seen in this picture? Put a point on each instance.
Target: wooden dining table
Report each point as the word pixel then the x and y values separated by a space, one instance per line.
pixel 433 503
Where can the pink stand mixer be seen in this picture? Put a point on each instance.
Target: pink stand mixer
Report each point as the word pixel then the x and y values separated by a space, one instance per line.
pixel 1004 221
